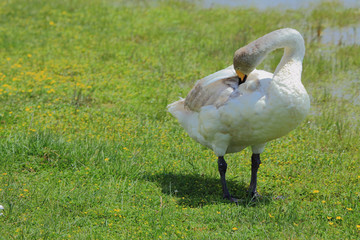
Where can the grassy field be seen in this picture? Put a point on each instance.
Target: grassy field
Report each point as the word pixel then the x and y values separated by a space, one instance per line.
pixel 88 151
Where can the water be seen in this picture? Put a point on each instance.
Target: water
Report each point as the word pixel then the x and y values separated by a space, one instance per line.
pixel 263 4
pixel 347 90
pixel 341 36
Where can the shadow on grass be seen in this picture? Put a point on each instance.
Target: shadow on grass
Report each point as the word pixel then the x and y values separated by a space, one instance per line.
pixel 197 190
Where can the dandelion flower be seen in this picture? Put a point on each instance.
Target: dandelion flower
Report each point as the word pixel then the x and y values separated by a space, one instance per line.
pixel 316 191
pixel 338 218
pixel 234 228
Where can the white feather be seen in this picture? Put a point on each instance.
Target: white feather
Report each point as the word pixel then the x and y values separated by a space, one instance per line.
pixel 227 117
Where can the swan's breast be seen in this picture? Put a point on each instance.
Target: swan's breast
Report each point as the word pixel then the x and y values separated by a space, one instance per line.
pixel 260 116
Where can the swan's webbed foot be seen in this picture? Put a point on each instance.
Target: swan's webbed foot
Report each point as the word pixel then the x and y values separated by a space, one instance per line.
pixel 255 196
pixel 232 199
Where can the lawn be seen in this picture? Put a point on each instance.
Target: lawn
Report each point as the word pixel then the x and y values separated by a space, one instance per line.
pixel 89 151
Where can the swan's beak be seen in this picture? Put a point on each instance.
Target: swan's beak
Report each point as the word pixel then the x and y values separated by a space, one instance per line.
pixel 242 77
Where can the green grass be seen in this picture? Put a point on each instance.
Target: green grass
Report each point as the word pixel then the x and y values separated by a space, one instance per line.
pixel 88 151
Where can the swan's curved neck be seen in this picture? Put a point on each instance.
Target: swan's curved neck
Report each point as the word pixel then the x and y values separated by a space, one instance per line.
pixel 291 62
pixel 290 66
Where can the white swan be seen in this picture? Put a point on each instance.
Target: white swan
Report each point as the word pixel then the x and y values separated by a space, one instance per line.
pixel 240 106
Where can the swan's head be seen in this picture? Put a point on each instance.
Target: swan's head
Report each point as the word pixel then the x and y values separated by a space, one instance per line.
pixel 248 57
pixel 245 61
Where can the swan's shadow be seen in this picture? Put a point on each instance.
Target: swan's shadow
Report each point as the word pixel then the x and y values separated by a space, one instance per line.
pixel 194 190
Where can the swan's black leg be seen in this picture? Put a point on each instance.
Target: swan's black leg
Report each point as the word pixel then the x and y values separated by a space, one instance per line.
pixel 222 170
pixel 255 163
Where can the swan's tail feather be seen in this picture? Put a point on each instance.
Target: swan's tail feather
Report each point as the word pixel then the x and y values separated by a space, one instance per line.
pixel 177 109
pixel 187 118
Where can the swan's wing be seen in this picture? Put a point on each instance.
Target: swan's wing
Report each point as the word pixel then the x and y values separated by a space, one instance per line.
pixel 219 75
pixel 217 88
pixel 214 89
